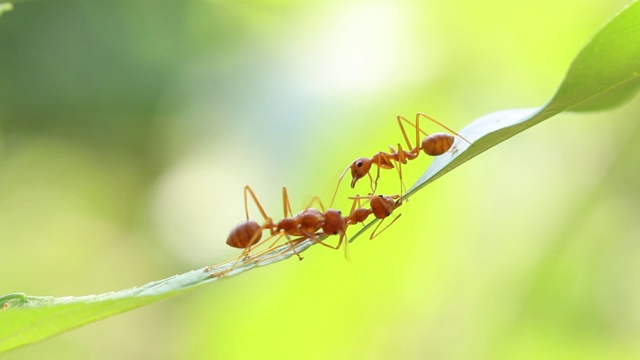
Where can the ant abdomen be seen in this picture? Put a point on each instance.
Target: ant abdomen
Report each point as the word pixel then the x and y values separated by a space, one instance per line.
pixel 437 143
pixel 245 235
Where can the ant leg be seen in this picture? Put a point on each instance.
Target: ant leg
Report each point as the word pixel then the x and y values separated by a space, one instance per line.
pixel 244 255
pixel 275 242
pixel 248 190
pixel 441 124
pixel 289 246
pixel 321 242
pixel 374 184
pixel 293 248
pixel 356 203
pixel 346 241
pixel 402 159
pixel 317 200
pixel 268 222
pixel 381 156
pixel 404 133
pixel 286 204
pixel 343 236
pixel 358 198
pixel 289 242
pixel 418 131
pixel 254 240
pixel 338 186
pixel 241 259
pixel 374 234
pixel 316 240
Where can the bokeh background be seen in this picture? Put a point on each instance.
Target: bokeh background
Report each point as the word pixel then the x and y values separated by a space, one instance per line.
pixel 129 128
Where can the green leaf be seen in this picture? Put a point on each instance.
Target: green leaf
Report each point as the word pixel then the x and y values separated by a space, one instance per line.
pixel 28 319
pixel 607 68
pixel 604 75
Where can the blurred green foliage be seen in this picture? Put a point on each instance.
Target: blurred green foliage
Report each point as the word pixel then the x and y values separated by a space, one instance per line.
pixel 128 129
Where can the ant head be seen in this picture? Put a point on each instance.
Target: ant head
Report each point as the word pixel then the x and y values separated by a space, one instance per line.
pixel 382 206
pixel 437 143
pixel 359 168
pixel 334 223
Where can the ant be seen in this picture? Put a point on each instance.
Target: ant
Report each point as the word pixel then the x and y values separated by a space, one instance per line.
pixel 248 233
pixel 380 206
pixel 433 145
pixel 309 223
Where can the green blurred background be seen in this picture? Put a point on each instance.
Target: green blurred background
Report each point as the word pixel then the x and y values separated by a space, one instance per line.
pixel 129 128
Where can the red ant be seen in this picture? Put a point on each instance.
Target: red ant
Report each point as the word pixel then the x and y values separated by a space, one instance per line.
pixel 307 223
pixel 248 233
pixel 433 145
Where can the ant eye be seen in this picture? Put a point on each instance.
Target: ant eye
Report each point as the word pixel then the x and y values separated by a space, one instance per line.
pixel 359 164
pixel 335 233
pixel 339 212
pixel 380 196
